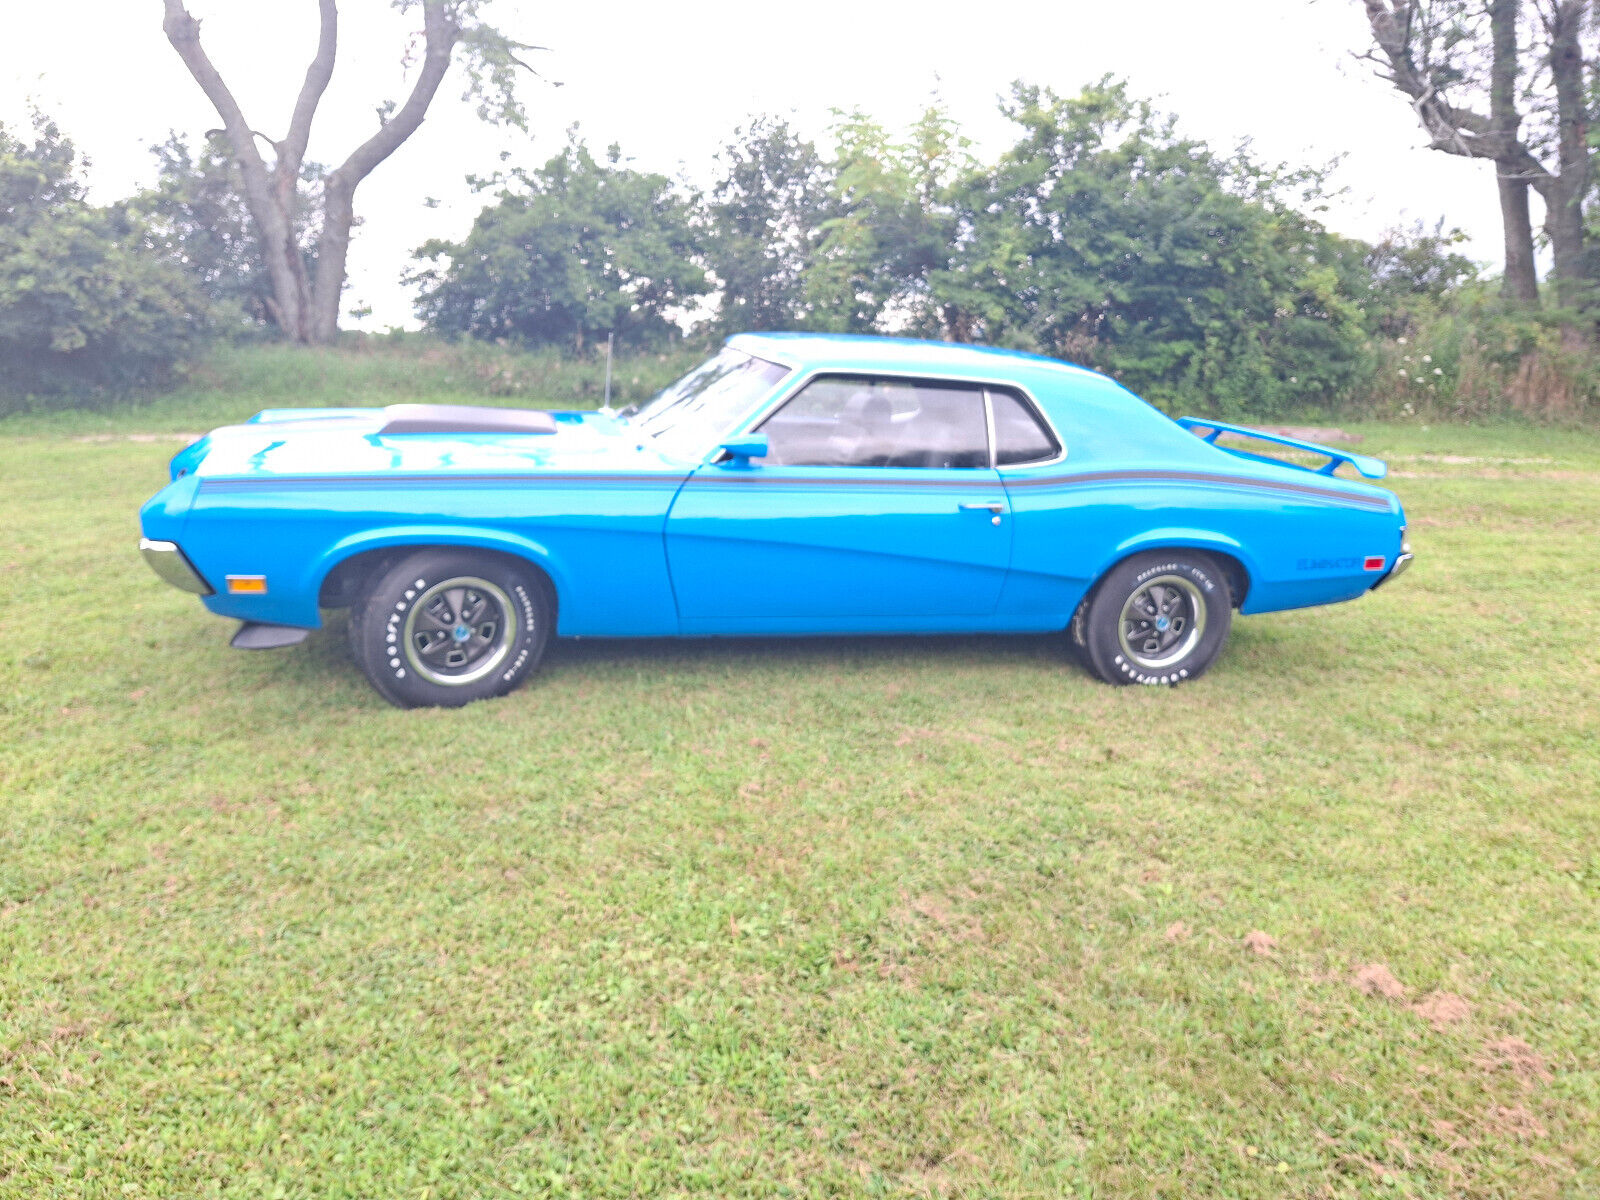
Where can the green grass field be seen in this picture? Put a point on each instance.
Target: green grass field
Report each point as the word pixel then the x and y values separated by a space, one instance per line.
pixel 901 917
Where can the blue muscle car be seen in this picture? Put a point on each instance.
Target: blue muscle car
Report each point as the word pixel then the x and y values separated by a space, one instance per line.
pixel 792 484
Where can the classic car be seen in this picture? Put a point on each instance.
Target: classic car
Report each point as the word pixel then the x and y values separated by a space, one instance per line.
pixel 793 484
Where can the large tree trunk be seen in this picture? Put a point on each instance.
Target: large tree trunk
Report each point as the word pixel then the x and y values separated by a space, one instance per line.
pixel 1520 281
pixel 1566 191
pixel 1453 129
pixel 339 188
pixel 304 310
pixel 274 219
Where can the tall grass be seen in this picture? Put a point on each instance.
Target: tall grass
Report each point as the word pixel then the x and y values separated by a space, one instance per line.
pixel 1483 364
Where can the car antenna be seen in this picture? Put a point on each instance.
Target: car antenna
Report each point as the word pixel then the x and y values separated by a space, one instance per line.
pixel 606 407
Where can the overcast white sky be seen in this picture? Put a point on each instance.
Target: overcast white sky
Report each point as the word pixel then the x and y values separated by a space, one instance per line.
pixel 670 81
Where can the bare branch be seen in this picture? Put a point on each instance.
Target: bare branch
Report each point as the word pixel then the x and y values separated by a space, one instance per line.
pixel 280 255
pixel 292 151
pixel 1454 130
pixel 183 31
pixel 441 31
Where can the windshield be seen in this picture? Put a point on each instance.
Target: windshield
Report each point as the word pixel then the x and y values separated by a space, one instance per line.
pixel 689 415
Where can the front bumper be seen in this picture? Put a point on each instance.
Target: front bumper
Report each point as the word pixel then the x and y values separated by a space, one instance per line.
pixel 1401 564
pixel 169 562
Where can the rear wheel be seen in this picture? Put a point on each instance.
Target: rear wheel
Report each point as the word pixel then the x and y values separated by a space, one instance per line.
pixel 447 627
pixel 1158 618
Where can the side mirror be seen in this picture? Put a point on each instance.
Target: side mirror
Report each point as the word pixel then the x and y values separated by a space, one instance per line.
pixel 746 446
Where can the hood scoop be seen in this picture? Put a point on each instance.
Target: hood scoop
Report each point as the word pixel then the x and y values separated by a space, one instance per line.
pixel 464 418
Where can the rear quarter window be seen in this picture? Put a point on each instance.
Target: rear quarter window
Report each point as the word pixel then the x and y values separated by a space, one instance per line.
pixel 1020 434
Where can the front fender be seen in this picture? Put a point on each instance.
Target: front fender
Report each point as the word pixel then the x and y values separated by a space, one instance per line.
pixel 435 535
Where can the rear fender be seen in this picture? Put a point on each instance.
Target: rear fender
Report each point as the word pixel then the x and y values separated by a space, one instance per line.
pixel 1178 537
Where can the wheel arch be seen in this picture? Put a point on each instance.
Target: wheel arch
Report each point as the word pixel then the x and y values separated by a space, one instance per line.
pixel 1228 553
pixel 351 565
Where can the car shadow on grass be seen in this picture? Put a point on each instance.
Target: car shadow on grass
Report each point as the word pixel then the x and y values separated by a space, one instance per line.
pixel 576 654
pixel 328 649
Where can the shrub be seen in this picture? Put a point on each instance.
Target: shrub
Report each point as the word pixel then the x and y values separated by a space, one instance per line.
pixel 88 306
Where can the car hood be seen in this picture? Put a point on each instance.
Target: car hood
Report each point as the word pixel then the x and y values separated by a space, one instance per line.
pixel 354 442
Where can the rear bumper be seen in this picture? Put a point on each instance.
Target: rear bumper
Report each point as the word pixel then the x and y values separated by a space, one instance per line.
pixel 1401 565
pixel 169 562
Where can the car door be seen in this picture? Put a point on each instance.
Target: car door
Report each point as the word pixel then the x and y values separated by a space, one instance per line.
pixel 877 507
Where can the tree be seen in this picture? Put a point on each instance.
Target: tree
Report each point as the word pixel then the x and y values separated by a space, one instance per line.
pixel 1461 65
pixel 304 301
pixel 568 253
pixel 1103 237
pixel 1413 271
pixel 893 227
pixel 196 211
pixel 763 224
pixel 89 302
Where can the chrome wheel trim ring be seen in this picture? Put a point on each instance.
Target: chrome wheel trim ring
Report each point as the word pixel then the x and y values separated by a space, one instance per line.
pixel 486 663
pixel 1172 596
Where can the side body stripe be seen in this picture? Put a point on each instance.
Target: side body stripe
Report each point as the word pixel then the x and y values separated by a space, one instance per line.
pixel 302 483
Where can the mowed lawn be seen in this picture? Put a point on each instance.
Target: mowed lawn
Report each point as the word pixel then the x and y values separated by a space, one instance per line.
pixel 900 917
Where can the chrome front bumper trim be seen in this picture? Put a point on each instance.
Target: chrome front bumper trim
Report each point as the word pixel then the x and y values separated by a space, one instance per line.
pixel 1399 568
pixel 167 561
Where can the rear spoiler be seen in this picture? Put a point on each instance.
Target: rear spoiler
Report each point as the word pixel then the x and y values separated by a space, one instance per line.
pixel 1370 468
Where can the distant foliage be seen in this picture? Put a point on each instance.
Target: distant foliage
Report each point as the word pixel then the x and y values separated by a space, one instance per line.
pixel 197 215
pixel 894 228
pixel 762 227
pixel 568 253
pixel 91 303
pixel 1101 235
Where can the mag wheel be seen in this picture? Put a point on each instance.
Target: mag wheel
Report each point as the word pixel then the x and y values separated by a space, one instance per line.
pixel 449 627
pixel 1158 618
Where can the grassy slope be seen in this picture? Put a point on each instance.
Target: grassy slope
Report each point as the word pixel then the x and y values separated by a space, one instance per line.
pixel 902 917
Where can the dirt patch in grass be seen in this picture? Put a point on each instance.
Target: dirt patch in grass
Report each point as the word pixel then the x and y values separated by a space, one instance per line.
pixel 1514 1121
pixel 1442 1009
pixel 138 437
pixel 1312 433
pixel 1375 979
pixel 1260 942
pixel 1514 1055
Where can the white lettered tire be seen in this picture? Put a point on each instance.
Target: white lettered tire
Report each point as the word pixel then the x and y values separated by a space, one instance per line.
pixel 446 627
pixel 1157 618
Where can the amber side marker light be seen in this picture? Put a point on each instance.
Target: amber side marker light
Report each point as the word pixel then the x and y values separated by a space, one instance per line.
pixel 247 585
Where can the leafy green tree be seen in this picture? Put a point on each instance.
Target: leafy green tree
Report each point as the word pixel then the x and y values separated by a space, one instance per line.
pixel 763 223
pixel 89 301
pixel 894 227
pixel 1104 237
pixel 1413 272
pixel 568 253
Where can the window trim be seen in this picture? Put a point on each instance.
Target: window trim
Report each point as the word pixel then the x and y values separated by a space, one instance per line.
pixel 801 376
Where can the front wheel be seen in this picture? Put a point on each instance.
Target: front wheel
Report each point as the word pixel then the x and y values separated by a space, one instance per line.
pixel 1157 618
pixel 447 627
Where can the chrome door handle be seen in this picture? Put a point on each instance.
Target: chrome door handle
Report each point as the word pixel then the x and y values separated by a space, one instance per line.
pixel 993 506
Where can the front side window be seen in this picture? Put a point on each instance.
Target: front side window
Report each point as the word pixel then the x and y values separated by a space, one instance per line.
pixel 694 412
pixel 858 421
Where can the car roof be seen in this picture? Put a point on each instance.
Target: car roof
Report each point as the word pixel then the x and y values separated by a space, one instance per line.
pixel 863 352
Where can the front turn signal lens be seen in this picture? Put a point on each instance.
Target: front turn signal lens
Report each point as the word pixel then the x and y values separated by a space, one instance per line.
pixel 247 585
